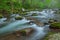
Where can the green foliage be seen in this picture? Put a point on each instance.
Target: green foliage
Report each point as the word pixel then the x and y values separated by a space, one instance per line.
pixel 1 16
pixel 7 4
pixel 17 4
pixel 26 6
pixel 42 5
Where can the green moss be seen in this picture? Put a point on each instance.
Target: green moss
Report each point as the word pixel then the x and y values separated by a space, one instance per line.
pixel 23 14
pixel 19 18
pixel 34 14
pixel 23 32
pixel 47 36
pixel 55 25
pixel 1 16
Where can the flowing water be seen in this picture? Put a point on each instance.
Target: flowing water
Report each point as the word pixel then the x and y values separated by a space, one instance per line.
pixel 13 26
pixel 39 33
pixel 43 16
pixel 57 17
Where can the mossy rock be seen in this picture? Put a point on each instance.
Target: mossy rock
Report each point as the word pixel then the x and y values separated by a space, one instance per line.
pixel 47 36
pixel 23 14
pixel 57 12
pixel 1 16
pixel 55 25
pixel 52 21
pixel 19 18
pixel 34 14
pixel 23 32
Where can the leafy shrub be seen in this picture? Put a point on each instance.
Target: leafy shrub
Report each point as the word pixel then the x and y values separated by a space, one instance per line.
pixel 1 16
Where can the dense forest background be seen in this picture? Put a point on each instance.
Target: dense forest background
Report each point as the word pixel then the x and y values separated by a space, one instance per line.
pixel 15 5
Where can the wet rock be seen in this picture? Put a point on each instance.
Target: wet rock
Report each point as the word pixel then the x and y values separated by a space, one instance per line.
pixel 34 20
pixel 18 18
pixel 34 14
pixel 31 22
pixel 29 31
pixel 46 23
pixel 57 12
pixel 52 21
pixel 24 32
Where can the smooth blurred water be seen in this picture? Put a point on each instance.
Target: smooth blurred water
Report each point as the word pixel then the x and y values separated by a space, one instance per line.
pixel 2 20
pixel 13 26
pixel 39 33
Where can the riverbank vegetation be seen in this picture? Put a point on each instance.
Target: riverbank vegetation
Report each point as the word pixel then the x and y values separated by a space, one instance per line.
pixel 17 5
